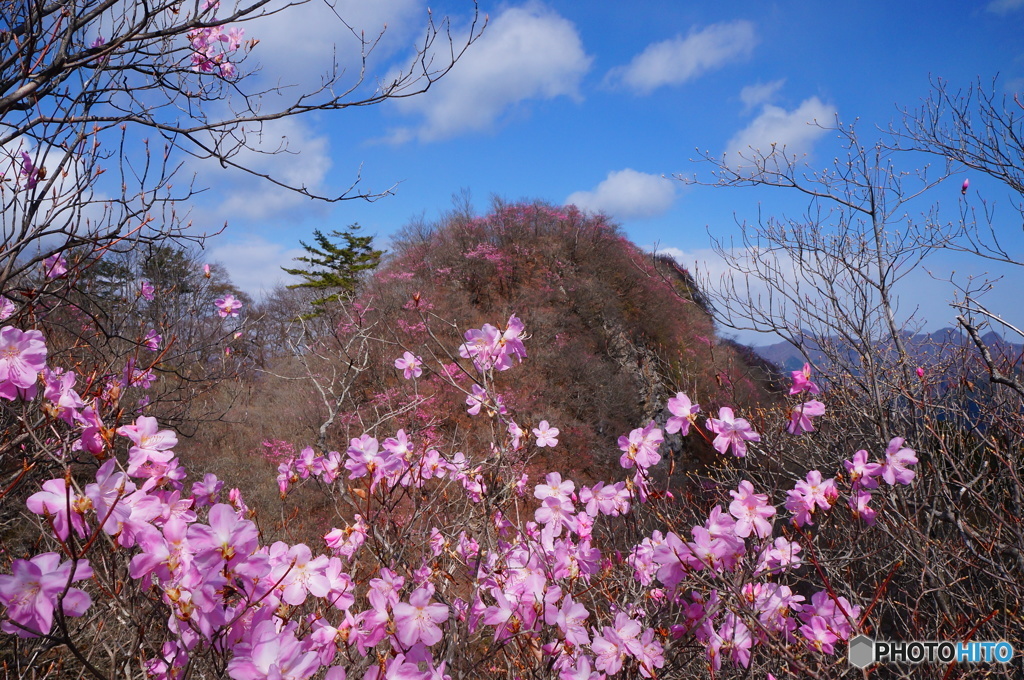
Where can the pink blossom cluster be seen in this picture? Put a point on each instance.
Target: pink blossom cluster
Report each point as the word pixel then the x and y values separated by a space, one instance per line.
pixel 863 476
pixel 282 611
pixel 399 462
pixel 212 46
pixel 485 251
pixel 730 432
pixel 492 348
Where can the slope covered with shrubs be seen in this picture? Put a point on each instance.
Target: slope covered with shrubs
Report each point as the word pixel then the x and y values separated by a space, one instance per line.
pixel 613 333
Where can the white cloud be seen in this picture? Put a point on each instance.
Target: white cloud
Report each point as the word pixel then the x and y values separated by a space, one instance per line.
pixel 795 130
pixel 1004 6
pixel 627 194
pixel 675 61
pixel 288 150
pixel 527 52
pixel 760 93
pixel 297 45
pixel 255 263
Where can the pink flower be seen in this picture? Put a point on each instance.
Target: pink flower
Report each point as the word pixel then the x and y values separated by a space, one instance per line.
pixel 55 266
pixel 731 431
pixel 782 554
pixel 308 463
pixel 561 490
pixel 491 348
pixel 555 513
pixel 641 447
pixel 437 542
pixel 611 500
pixel 822 491
pixel 108 497
pixel 835 611
pixel 683 413
pixel 61 504
pixel 800 417
pixel 810 494
pixel 897 459
pixel 273 655
pixel 60 392
pixel 151 445
pixel 546 435
pixel 649 653
pixel 410 365
pixel 476 400
pixel 146 290
pixel 297 572
pixel 510 344
pixel 22 358
pixel 207 492
pixel 610 651
pixel 35 589
pixel 801 507
pixel 6 308
pixel 152 340
pixel 752 511
pixel 418 620
pixel 517 433
pixel 228 305
pixel 862 473
pixel 29 171
pixel 736 640
pixel 802 381
pixel 819 637
pixel 859 505
pixel 579 670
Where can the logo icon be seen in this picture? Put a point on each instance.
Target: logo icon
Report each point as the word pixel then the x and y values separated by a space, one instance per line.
pixel 861 651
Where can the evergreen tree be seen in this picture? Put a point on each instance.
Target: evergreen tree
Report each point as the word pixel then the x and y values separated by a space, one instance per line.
pixel 334 264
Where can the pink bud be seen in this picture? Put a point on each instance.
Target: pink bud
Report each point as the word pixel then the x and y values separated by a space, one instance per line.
pixel 963 189
pixel 206 270
pixel 920 372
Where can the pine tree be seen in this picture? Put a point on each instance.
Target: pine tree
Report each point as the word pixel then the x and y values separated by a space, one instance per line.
pixel 334 265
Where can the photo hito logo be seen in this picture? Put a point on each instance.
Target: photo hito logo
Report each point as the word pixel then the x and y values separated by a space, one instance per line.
pixel 864 651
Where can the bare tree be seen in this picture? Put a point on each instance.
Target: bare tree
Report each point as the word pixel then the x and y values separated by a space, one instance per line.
pixel 828 280
pixel 82 83
pixel 982 130
pixel 830 283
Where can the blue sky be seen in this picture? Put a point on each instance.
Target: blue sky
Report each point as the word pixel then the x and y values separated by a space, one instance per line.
pixel 593 102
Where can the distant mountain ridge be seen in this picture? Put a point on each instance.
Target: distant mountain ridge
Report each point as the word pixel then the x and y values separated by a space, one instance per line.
pixel 924 348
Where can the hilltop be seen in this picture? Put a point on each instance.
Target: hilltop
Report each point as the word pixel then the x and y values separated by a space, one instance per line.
pixel 611 333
